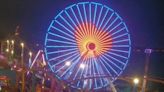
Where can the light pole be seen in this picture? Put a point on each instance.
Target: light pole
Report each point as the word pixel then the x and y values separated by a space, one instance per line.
pixel 12 48
pixel 22 53
pixel 1 47
pixel 136 82
pixel 23 70
pixel 148 53
pixel 30 58
pixel 8 44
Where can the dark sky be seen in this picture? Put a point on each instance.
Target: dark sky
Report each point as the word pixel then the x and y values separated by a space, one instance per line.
pixel 144 18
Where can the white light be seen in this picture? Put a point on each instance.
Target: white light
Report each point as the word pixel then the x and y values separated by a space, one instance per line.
pixel 136 81
pixel 30 53
pixel 68 63
pixel 22 44
pixel 12 52
pixel 85 82
pixel 7 41
pixel 12 41
pixel 82 66
pixel 7 50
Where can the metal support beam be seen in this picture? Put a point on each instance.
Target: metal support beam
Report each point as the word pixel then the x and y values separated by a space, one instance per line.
pixel 148 52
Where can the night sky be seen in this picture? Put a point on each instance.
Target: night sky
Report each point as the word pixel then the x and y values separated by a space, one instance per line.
pixel 144 18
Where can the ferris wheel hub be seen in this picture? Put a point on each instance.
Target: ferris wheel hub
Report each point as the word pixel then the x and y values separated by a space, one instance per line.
pixel 91 46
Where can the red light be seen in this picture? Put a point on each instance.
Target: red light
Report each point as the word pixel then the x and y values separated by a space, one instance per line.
pixel 91 46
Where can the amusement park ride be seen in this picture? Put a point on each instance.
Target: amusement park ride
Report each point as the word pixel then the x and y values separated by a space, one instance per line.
pixel 85 42
pixel 87 47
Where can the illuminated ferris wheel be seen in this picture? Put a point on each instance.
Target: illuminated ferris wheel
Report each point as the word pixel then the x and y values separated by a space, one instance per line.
pixel 85 42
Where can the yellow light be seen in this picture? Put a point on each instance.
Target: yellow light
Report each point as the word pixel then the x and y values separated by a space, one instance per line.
pixel 135 81
pixel 91 41
pixel 12 41
pixel 12 52
pixel 22 44
pixel 30 53
pixel 7 50
pixel 7 41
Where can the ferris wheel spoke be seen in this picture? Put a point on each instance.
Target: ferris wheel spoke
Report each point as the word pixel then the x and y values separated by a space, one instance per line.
pixel 75 71
pixel 86 70
pixel 119 36
pixel 82 20
pixel 118 31
pixel 70 18
pixel 59 51
pixel 68 24
pixel 64 28
pixel 115 59
pixel 81 74
pixel 101 68
pixel 94 18
pixel 100 14
pixel 90 9
pixel 103 19
pixel 123 40
pixel 84 83
pixel 107 21
pixel 91 81
pixel 50 67
pixel 92 64
pixel 105 67
pixel 59 68
pixel 66 38
pixel 86 19
pixel 114 71
pixel 98 70
pixel 76 18
pixel 112 62
pixel 82 70
pixel 111 23
pixel 85 14
pixel 120 46
pixel 95 14
pixel 80 14
pixel 124 51
pixel 73 55
pixel 71 58
pixel 83 31
pixel 62 55
pixel 72 65
pixel 59 41
pixel 52 46
pixel 116 26
pixel 74 24
pixel 76 74
pixel 115 54
pixel 90 19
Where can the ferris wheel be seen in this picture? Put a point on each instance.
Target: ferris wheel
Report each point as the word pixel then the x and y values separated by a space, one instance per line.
pixel 85 42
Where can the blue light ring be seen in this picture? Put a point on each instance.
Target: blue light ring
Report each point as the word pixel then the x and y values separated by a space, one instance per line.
pixel 111 10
